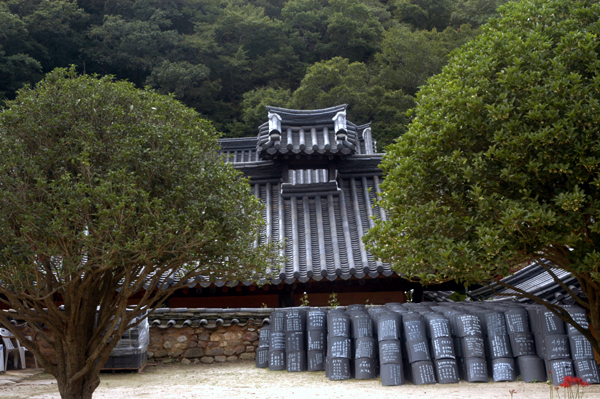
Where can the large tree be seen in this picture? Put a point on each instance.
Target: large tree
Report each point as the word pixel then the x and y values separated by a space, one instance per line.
pixel 105 192
pixel 339 81
pixel 409 57
pixel 213 54
pixel 501 164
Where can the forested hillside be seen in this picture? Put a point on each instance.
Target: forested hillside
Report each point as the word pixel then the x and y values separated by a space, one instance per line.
pixel 229 58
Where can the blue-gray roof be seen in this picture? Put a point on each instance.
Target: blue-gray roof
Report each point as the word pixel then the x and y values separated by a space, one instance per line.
pixel 535 280
pixel 319 186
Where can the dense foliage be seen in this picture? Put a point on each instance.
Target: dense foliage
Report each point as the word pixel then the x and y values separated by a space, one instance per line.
pixel 214 54
pixel 106 190
pixel 501 164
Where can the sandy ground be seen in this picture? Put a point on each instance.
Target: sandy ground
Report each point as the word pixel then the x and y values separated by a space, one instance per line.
pixel 243 380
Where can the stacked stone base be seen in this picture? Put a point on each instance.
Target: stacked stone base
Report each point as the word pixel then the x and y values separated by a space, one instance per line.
pixel 191 335
pixel 195 345
pixel 205 335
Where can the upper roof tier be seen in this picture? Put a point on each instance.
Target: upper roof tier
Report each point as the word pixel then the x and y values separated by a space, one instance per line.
pixel 304 133
pixel 320 192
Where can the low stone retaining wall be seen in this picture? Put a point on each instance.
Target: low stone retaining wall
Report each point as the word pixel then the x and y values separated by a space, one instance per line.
pixel 205 335
pixel 192 335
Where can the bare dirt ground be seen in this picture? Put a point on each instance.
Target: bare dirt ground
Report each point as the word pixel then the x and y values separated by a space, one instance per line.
pixel 243 380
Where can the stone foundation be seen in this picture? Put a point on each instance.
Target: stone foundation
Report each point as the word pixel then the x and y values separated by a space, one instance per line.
pixel 224 344
pixel 189 335
pixel 205 335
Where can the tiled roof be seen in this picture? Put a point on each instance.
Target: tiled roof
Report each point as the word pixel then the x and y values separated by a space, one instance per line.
pixel 239 150
pixel 535 280
pixel 209 318
pixel 438 296
pixel 299 132
pixel 316 201
pixel 322 225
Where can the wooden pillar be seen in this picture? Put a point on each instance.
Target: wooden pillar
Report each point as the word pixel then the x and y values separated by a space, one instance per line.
pixel 417 296
pixel 286 297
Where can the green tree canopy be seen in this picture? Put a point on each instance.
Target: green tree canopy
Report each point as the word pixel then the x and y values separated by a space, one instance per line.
pixel 106 189
pixel 256 101
pixel 409 57
pixel 423 14
pixel 501 164
pixel 16 66
pixel 339 81
pixel 189 83
pixel 132 48
pixel 231 48
pixel 474 12
pixel 330 28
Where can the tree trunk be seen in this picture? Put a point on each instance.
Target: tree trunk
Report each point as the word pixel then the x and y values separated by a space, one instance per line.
pixel 77 352
pixel 74 360
pixel 82 389
pixel 594 301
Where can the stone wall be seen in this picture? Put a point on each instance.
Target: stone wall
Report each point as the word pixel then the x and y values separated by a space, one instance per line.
pixel 189 335
pixel 205 335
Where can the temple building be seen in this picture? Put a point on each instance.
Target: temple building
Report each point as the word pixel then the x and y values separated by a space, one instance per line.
pixel 317 174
